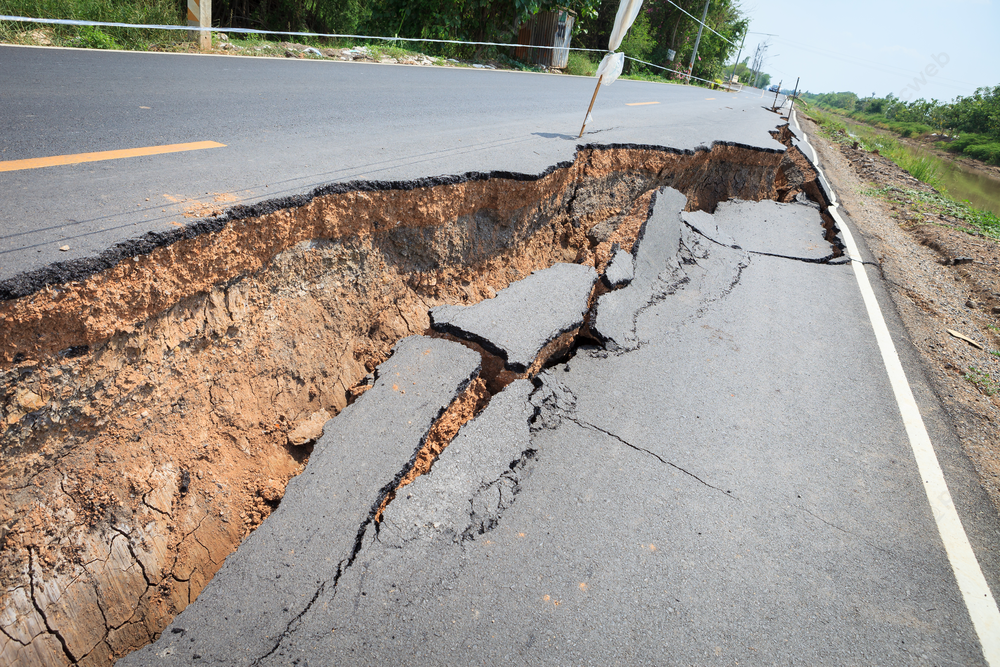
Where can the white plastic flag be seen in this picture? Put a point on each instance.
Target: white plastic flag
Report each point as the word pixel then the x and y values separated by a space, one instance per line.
pixel 610 68
pixel 611 65
pixel 627 11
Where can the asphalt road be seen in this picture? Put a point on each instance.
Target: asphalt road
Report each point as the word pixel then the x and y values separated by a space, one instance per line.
pixel 727 480
pixel 288 126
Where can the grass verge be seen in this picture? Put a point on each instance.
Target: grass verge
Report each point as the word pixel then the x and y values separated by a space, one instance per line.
pixel 924 169
pixel 580 64
pixel 927 204
pixel 157 12
pixel 977 146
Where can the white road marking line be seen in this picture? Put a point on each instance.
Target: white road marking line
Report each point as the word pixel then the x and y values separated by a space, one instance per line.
pixel 969 576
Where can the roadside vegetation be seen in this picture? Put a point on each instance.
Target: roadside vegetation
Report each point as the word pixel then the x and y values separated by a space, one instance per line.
pixel 922 206
pixel 922 168
pixel 918 204
pixel 155 12
pixel 982 379
pixel 746 74
pixel 968 125
pixel 661 30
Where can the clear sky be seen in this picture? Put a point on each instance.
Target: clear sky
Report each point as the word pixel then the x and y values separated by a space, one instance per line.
pixel 881 47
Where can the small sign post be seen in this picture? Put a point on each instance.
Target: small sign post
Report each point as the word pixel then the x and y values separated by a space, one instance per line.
pixel 200 14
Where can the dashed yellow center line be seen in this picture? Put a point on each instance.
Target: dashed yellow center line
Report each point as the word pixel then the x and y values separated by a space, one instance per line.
pixel 639 104
pixel 57 160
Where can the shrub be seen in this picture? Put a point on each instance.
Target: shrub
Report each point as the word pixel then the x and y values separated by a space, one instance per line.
pixel 580 64
pixel 93 38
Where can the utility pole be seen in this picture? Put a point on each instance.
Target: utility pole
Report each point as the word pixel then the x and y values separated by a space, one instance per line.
pixel 758 61
pixel 697 41
pixel 754 66
pixel 791 102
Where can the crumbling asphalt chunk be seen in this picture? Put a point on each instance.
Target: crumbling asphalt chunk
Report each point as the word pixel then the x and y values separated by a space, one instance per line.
pixel 301 550
pixel 524 317
pixel 621 268
pixel 657 272
pixel 474 479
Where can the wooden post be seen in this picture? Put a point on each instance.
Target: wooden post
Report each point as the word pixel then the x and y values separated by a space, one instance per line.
pixel 599 79
pixel 774 106
pixel 199 13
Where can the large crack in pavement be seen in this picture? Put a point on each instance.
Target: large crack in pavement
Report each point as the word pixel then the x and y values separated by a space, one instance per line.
pixel 170 411
pixel 476 477
pixel 643 450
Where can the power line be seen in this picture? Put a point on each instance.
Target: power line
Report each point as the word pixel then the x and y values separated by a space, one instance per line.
pixel 699 21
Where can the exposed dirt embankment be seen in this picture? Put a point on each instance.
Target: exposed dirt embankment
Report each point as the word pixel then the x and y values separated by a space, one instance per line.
pixel 146 404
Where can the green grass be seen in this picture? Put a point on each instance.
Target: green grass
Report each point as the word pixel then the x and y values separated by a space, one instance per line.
pixel 388 50
pixel 580 64
pixel 983 380
pixel 160 12
pixel 904 129
pixel 983 222
pixel 977 146
pixel 924 169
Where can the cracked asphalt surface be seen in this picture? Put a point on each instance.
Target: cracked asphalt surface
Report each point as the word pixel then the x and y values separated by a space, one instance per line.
pixel 724 478
pixel 752 499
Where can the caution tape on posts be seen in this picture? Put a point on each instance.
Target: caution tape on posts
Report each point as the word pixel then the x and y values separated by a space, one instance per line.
pixel 685 74
pixel 251 31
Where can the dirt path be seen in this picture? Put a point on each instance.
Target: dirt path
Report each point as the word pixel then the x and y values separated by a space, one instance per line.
pixel 943 275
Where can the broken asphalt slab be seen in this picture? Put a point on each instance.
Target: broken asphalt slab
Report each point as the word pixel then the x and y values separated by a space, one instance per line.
pixel 792 230
pixel 473 480
pixel 326 515
pixel 671 260
pixel 525 317
pixel 621 268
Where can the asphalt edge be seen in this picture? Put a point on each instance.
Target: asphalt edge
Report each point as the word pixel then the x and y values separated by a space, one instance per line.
pixel 30 282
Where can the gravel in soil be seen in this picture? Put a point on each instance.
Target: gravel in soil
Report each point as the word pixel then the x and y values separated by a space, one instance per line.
pixel 943 276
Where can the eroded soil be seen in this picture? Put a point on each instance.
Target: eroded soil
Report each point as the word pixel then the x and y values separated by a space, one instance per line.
pixel 943 275
pixel 152 411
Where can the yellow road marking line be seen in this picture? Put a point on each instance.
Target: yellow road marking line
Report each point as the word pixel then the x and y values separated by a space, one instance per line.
pixel 709 99
pixel 639 104
pixel 56 160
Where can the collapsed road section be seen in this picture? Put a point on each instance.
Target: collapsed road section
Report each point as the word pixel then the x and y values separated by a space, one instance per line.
pixel 614 508
pixel 285 581
pixel 157 400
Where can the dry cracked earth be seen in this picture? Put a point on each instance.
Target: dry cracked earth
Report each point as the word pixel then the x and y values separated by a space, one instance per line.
pixel 155 404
